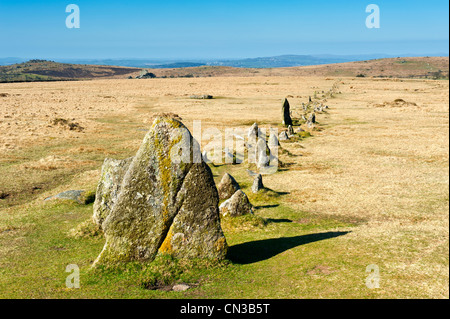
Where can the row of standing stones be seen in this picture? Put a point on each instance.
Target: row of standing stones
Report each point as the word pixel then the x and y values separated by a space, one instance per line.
pixel 149 204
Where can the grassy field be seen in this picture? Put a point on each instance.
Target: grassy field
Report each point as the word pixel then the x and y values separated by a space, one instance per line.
pixel 369 187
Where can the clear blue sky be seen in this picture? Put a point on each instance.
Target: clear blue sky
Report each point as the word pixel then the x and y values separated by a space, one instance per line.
pixel 220 29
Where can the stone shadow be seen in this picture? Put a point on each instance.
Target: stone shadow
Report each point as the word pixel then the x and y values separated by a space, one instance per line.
pixel 254 251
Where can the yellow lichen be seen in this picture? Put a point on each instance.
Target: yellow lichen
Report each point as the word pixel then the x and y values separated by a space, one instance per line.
pixel 166 247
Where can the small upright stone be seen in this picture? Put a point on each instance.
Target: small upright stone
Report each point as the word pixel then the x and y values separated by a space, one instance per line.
pixel 257 184
pixel 286 112
pixel 290 131
pixel 312 118
pixel 227 186
pixel 283 136
pixel 262 153
pixel 254 131
pixel 273 140
pixel 237 205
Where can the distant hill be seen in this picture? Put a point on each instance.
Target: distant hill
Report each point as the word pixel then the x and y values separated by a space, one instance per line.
pixel 177 65
pixel 411 67
pixel 42 70
pixel 282 61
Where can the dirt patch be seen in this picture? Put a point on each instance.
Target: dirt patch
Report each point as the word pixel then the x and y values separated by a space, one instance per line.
pixel 320 270
pixel 396 103
pixel 66 124
pixel 53 162
pixel 89 150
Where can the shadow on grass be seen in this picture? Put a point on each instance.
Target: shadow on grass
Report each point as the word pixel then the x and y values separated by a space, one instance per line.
pixel 254 251
pixel 279 220
pixel 266 206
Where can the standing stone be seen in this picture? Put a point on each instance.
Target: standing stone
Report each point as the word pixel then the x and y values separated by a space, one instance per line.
pixel 227 186
pixel 290 131
pixel 273 140
pixel 108 187
pixel 262 152
pixel 257 184
pixel 237 205
pixel 312 118
pixel 205 157
pixel 159 193
pixel 254 131
pixel 283 136
pixel 194 235
pixel 286 112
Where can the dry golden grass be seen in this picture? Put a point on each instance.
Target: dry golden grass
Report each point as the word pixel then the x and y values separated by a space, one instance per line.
pixel 384 167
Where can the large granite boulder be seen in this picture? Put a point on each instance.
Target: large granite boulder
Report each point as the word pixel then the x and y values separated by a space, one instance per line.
pixel 165 204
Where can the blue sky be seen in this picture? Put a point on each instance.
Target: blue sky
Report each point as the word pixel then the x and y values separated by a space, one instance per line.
pixel 220 29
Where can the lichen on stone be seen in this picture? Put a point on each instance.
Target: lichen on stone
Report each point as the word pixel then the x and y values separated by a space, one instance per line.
pixel 164 206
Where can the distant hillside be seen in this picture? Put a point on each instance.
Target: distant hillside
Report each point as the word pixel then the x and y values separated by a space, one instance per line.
pixel 413 67
pixel 42 70
pixel 283 61
pixel 178 65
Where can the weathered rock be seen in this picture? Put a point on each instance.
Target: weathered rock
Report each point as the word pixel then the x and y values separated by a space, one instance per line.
pixel 144 74
pixel 283 136
pixel 257 184
pixel 237 205
pixel 180 287
pixel 79 196
pixel 273 140
pixel 202 97
pixel 161 197
pixel 312 118
pixel 290 130
pixel 263 153
pixel 286 113
pixel 227 186
pixel 108 187
pixel 254 131
pixel 194 235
